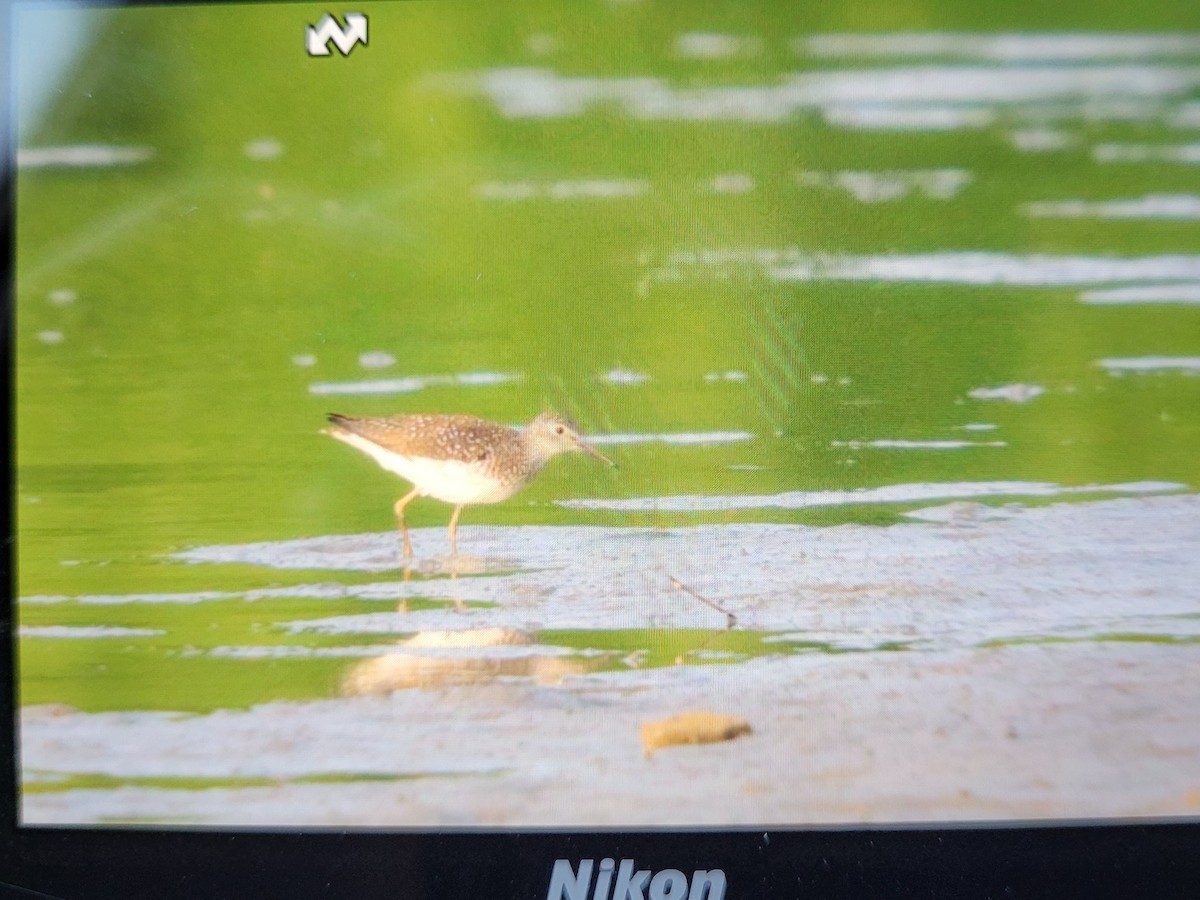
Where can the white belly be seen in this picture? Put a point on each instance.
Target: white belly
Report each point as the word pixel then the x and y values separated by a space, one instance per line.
pixel 450 481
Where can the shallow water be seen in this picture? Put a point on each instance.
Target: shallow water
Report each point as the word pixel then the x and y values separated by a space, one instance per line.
pixel 968 623
pixel 894 337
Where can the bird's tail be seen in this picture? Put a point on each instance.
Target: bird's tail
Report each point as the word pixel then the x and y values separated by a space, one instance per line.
pixel 340 424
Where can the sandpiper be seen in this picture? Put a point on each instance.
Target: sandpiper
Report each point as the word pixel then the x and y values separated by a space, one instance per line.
pixel 458 459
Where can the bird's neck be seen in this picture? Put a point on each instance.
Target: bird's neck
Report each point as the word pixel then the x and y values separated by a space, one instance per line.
pixel 537 454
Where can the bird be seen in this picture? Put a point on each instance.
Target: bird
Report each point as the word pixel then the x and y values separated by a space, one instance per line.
pixel 458 459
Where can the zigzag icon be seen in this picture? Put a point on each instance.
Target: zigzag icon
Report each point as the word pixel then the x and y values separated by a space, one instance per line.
pixel 345 37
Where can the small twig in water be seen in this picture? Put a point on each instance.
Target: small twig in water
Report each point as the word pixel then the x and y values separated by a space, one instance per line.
pixel 730 618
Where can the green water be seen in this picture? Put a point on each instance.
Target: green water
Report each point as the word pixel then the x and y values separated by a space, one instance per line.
pixel 104 782
pixel 171 414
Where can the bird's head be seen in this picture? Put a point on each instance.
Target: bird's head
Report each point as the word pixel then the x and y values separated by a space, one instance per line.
pixel 550 434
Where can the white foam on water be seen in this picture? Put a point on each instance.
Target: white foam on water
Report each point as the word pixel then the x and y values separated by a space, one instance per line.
pixel 896 493
pixel 383 386
pixel 536 93
pixel 413 383
pixel 542 44
pixel 733 375
pixel 312 591
pixel 486 379
pixel 1186 115
pixel 304 360
pixel 263 149
pixel 906 117
pixel 964 513
pixel 624 376
pixel 977 426
pixel 983 268
pixel 51 337
pixel 62 296
pixel 1186 292
pixel 1013 393
pixel 962 267
pixel 708 45
pixel 880 187
pixel 601 188
pixel 1152 206
pixel 951 267
pixel 1187 364
pixel 122 599
pixel 731 183
pixel 1033 118
pixel 376 359
pixel 900 444
pixel 1099 110
pixel 1003 47
pixel 85 631
pixel 579 189
pixel 506 190
pixel 1139 153
pixel 1040 140
pixel 679 437
pixel 82 156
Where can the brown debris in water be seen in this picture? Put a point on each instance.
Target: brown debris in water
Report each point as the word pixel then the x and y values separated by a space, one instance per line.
pixel 692 728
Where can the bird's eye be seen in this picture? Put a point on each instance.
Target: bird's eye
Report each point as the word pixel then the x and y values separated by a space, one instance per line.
pixel 559 430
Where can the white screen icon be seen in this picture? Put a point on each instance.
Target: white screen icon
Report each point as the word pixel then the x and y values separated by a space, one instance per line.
pixel 344 37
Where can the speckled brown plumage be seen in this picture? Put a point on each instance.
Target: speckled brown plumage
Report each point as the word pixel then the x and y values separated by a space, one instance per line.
pixel 466 439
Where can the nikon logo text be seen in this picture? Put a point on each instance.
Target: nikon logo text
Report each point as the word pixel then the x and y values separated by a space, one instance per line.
pixel 613 882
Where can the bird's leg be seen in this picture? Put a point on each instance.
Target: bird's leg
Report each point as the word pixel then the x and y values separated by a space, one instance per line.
pixel 453 528
pixel 399 508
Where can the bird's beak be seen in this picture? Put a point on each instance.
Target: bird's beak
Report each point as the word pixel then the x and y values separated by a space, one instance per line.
pixel 592 451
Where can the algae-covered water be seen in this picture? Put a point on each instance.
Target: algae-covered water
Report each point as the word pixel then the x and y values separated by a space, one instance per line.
pixel 891 320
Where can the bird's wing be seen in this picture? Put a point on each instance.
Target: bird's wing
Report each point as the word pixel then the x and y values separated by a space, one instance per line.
pixel 451 437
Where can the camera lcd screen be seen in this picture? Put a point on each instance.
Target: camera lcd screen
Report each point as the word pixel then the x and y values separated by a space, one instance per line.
pixel 604 415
